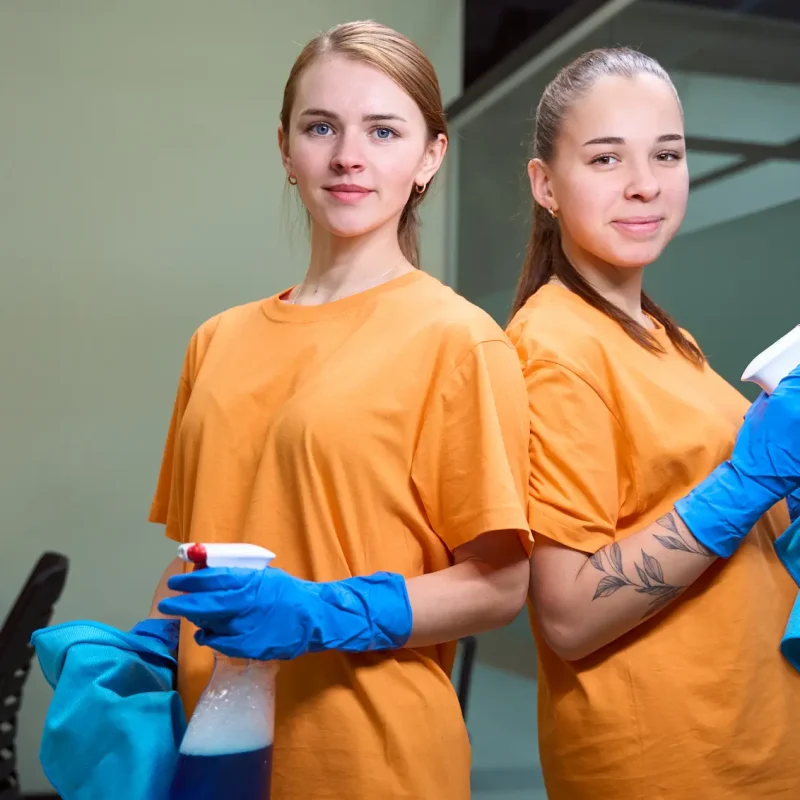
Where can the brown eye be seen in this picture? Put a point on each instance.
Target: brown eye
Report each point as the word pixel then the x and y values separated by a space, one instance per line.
pixel 604 160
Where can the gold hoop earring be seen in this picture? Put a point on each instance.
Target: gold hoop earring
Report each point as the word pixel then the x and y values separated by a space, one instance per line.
pixel 421 189
pixel 553 214
pixel 292 180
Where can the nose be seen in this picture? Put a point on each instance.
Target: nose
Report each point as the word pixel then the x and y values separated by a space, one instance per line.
pixel 643 182
pixel 348 156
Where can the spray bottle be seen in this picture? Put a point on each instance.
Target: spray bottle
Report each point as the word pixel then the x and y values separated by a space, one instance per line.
pixel 227 749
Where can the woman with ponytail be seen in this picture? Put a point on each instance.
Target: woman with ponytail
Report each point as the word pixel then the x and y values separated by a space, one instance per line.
pixel 657 600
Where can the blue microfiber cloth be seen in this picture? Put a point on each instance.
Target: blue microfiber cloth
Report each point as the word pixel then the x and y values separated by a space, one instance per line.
pixel 787 546
pixel 790 644
pixel 115 723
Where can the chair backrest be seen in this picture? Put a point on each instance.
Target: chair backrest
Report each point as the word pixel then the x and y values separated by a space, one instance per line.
pixel 32 610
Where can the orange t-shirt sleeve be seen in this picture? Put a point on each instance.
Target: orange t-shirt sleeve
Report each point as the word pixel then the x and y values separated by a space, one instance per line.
pixel 575 454
pixel 161 510
pixel 471 462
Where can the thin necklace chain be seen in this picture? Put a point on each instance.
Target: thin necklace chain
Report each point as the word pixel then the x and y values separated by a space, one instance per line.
pixel 292 299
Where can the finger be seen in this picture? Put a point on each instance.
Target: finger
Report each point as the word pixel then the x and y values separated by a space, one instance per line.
pixel 227 645
pixel 211 579
pixel 206 606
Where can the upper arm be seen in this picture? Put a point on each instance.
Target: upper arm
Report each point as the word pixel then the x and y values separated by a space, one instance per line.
pixel 163 508
pixel 578 476
pixel 577 458
pixel 471 463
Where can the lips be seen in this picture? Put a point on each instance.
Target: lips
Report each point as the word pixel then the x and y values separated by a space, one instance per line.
pixel 348 192
pixel 638 226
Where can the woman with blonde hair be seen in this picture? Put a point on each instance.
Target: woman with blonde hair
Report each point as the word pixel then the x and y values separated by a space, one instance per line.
pixel 370 427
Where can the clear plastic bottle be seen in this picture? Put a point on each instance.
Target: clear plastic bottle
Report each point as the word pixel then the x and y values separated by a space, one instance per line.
pixel 226 753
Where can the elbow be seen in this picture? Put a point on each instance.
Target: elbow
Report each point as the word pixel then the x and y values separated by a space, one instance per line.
pixel 568 640
pixel 511 600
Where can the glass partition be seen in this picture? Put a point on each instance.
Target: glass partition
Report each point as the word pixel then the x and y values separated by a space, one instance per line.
pixel 730 276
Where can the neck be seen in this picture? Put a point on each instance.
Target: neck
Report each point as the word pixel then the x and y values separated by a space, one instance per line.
pixel 621 286
pixel 340 266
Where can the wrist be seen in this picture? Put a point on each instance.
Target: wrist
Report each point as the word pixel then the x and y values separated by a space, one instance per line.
pixel 366 613
pixel 723 509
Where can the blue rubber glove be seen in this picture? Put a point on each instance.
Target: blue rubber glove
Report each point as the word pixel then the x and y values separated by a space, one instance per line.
pixel 793 501
pixel 268 614
pixel 763 469
pixel 166 631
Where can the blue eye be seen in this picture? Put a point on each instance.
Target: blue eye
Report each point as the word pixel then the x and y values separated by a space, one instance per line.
pixel 320 128
pixel 384 134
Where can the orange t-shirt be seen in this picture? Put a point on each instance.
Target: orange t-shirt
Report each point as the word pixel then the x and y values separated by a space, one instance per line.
pixel 376 432
pixel 697 702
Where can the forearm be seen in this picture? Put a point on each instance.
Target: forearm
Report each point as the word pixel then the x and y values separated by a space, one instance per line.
pixel 472 596
pixel 175 567
pixel 619 587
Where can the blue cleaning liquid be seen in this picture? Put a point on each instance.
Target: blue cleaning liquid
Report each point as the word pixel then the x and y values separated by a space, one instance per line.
pixel 230 776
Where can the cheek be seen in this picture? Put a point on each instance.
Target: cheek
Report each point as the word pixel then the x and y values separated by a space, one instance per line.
pixel 586 205
pixel 394 168
pixel 675 191
pixel 307 159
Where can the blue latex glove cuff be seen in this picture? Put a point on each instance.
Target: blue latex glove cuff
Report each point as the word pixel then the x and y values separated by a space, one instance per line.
pixel 269 614
pixel 166 631
pixel 383 601
pixel 722 509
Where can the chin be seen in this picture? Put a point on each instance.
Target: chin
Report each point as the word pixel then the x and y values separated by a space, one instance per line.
pixel 635 256
pixel 348 226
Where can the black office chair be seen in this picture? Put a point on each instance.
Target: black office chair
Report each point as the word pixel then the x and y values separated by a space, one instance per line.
pixel 32 610
pixel 469 647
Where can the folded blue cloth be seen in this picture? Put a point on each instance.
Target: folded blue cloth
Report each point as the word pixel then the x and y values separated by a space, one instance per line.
pixel 793 501
pixel 790 644
pixel 115 723
pixel 787 546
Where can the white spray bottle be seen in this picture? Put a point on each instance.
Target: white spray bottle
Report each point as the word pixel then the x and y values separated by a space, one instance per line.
pixel 227 749
pixel 771 366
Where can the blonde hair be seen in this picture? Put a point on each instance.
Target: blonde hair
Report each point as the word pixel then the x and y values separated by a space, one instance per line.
pixel 401 60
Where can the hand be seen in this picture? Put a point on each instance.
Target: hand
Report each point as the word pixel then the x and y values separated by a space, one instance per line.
pixel 767 450
pixel 763 469
pixel 269 614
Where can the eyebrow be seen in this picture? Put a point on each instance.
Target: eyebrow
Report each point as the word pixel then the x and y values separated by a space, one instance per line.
pixel 667 137
pixel 321 112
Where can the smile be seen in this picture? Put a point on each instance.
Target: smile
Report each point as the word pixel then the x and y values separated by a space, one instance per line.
pixel 639 227
pixel 348 192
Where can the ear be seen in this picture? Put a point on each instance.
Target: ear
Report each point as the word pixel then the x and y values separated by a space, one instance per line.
pixel 541 184
pixel 431 160
pixel 283 146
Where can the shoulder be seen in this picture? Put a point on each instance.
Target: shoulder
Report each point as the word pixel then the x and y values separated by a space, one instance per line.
pixel 456 324
pixel 201 341
pixel 563 330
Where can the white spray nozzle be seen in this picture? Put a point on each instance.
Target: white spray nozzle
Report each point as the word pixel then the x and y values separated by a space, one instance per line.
pixel 770 367
pixel 247 556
